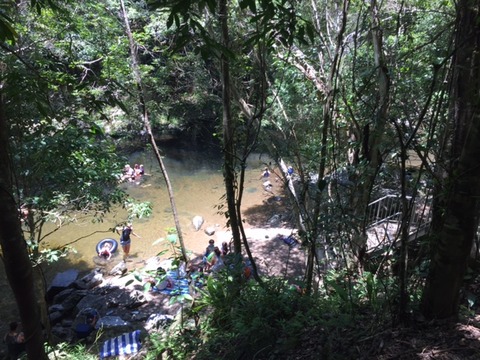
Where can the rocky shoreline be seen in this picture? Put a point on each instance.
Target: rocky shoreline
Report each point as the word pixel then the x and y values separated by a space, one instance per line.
pixel 116 295
pixel 117 291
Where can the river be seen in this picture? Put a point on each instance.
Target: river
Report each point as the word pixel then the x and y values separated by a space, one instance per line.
pixel 198 187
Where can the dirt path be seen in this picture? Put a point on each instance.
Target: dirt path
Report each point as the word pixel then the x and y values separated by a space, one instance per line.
pixel 270 251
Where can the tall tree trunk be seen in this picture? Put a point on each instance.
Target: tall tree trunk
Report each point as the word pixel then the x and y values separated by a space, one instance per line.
pixel 326 91
pixel 373 135
pixel 452 241
pixel 148 127
pixel 228 132
pixel 18 267
pixel 328 109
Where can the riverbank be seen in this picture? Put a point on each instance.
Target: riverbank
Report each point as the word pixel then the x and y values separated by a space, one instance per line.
pixel 198 191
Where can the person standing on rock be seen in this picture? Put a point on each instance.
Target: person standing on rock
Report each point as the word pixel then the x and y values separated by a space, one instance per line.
pixel 125 239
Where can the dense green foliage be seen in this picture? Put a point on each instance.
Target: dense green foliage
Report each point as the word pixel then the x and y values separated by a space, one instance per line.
pixel 273 321
pixel 349 93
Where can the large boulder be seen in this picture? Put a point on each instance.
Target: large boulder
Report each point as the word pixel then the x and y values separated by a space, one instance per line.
pixel 62 281
pixel 119 269
pixel 136 299
pixel 72 300
pixel 158 321
pixel 197 222
pixel 62 295
pixel 93 301
pixel 91 280
pixel 113 322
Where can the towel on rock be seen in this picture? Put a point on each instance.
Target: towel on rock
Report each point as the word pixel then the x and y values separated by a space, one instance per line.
pixel 175 285
pixel 289 240
pixel 125 344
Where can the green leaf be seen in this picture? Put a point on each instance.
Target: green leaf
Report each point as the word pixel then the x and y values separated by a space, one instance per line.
pixel 188 297
pixel 7 32
pixel 158 241
pixel 170 20
pixel 173 238
pixel 243 4
pixel 339 290
pixel 137 276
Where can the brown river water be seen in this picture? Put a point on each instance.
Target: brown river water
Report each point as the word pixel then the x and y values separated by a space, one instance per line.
pixel 198 188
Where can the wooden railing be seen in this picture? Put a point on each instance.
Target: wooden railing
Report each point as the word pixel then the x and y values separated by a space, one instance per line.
pixel 384 217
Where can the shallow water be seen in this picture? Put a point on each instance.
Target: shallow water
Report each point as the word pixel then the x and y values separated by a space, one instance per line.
pixel 198 188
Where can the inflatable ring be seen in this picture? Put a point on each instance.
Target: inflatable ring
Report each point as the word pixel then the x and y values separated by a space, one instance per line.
pixel 113 243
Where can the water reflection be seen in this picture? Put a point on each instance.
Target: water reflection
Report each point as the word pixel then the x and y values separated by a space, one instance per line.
pixel 198 187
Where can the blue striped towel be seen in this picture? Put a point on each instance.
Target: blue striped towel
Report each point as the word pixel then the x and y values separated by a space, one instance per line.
pixel 127 343
pixel 289 240
pixel 180 286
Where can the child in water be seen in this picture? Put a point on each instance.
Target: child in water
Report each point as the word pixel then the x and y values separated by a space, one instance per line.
pixel 106 251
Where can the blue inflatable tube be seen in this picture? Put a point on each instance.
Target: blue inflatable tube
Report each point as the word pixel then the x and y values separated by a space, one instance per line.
pixel 113 243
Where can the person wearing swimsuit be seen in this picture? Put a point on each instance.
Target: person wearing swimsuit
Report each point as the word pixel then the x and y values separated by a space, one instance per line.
pixel 125 239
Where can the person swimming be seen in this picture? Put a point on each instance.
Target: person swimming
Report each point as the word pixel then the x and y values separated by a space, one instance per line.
pixel 106 251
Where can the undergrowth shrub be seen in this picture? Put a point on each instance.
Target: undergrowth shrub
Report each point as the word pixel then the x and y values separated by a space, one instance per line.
pixel 67 351
pixel 252 319
pixel 246 320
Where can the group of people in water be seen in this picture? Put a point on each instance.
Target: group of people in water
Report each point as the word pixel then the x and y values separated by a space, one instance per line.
pixel 132 173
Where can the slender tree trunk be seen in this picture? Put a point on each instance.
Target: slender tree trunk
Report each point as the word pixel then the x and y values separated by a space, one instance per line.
pixel 326 92
pixel 18 267
pixel 452 241
pixel 148 127
pixel 373 135
pixel 228 132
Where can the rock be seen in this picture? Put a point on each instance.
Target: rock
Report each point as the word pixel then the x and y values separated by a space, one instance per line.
pixel 62 295
pixel 92 301
pixel 267 186
pixel 91 280
pixel 119 269
pixel 114 300
pixel 166 264
pixel 62 333
pixel 139 316
pixel 209 230
pixel 96 280
pixel 158 321
pixel 152 264
pixel 61 282
pixel 72 300
pixel 111 322
pixel 55 317
pixel 136 300
pixel 56 307
pixel 67 322
pixel 197 222
pixel 275 220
